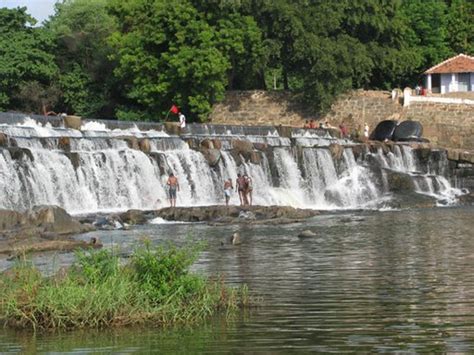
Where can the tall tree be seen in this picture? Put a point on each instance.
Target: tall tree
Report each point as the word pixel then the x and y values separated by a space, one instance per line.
pixel 460 21
pixel 26 55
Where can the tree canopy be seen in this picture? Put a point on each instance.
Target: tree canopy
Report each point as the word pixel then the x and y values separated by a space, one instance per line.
pixel 132 59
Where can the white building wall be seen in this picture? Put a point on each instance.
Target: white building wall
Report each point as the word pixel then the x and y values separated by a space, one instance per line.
pixel 472 82
pixel 445 83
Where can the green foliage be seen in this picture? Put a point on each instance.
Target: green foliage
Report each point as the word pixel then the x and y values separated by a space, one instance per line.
pixel 100 291
pixel 131 59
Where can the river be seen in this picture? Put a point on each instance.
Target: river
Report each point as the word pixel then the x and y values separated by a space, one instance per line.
pixel 371 281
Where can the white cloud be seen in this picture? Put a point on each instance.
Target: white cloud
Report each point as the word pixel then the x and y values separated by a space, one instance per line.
pixel 39 9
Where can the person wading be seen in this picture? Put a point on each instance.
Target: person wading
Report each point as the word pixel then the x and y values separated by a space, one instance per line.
pixel 240 186
pixel 248 189
pixel 173 186
pixel 228 190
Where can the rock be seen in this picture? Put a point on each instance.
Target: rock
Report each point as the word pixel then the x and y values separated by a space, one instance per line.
pixel 55 219
pixel 112 222
pixel 399 182
pixel 241 146
pixel 260 146
pixel 64 143
pixel 336 150
pixel 74 158
pixel 212 156
pixel 132 142
pixel 172 128
pixel 207 144
pixel 74 122
pixel 467 156
pixel 467 199
pixel 217 143
pixel 144 145
pixel 284 131
pixel 133 217
pixel 3 140
pixel 453 154
pixel 307 234
pixel 235 239
pixel 20 153
pixel 11 219
pixel 247 215
pixel 255 157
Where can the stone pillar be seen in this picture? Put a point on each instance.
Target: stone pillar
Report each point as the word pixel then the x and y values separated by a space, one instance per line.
pixel 428 83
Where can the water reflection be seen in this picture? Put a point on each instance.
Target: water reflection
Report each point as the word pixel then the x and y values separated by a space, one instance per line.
pixel 370 282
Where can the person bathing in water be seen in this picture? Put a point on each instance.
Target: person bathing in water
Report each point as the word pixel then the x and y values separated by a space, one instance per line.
pixel 228 190
pixel 240 187
pixel 173 186
pixel 248 188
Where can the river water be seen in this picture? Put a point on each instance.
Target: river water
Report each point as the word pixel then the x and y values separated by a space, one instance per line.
pixel 371 281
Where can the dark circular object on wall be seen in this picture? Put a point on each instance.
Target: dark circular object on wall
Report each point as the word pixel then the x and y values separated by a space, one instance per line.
pixel 384 130
pixel 408 130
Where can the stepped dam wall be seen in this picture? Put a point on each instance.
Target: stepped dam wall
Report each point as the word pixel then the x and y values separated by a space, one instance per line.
pixel 125 166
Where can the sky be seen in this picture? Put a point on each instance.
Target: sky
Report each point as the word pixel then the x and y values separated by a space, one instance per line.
pixel 39 9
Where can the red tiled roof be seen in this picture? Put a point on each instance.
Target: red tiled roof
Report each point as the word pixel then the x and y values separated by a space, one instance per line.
pixel 461 63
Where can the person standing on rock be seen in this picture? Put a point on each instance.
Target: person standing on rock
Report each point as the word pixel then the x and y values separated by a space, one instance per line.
pixel 228 188
pixel 182 121
pixel 248 189
pixel 366 130
pixel 240 187
pixel 173 186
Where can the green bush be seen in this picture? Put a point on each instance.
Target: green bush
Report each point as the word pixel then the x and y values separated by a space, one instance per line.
pixel 155 286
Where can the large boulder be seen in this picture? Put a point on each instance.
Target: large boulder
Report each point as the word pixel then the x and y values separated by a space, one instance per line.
pixel 74 122
pixel 20 153
pixel 243 147
pixel 384 130
pixel 55 219
pixel 172 128
pixel 217 143
pixel 207 143
pixel 400 182
pixel 408 131
pixel 133 217
pixel 212 156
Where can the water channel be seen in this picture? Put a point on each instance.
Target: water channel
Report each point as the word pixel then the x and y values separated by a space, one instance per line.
pixel 371 281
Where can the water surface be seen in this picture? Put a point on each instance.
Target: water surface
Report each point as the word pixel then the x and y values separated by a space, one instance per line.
pixel 395 281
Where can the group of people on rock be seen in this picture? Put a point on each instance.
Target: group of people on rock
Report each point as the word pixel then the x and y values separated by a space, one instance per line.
pixel 312 124
pixel 243 185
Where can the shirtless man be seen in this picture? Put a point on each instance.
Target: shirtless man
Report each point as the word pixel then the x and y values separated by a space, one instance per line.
pixel 173 186
pixel 240 187
pixel 228 190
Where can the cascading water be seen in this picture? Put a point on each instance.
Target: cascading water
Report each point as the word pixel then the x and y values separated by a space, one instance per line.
pixel 98 169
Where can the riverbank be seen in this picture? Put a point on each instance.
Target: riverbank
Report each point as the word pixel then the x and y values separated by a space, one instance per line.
pixel 155 287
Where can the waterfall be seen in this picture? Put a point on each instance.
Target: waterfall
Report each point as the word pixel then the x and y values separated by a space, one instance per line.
pixel 103 170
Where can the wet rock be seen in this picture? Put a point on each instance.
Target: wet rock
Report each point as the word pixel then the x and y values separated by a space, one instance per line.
pixel 3 140
pixel 307 234
pixel 133 217
pixel 212 156
pixel 55 219
pixel 217 143
pixel 144 145
pixel 64 143
pixel 467 199
pixel 20 153
pixel 359 151
pixel 112 222
pixel 74 158
pixel 255 157
pixel 399 182
pixel 241 146
pixel 260 146
pixel 207 144
pixel 336 151
pixel 172 128
pixel 132 142
pixel 236 215
pixel 235 239
pixel 192 143
pixel 467 156
pixel 74 122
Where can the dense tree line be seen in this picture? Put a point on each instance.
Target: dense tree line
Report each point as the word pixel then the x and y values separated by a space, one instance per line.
pixel 131 59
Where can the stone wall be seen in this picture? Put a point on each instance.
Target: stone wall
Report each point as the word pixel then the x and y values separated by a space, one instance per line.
pixel 446 125
pixel 260 108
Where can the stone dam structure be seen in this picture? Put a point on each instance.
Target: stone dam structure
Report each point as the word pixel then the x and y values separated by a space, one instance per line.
pixel 91 166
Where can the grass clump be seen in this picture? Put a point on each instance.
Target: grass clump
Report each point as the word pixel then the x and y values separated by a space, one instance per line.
pixel 155 286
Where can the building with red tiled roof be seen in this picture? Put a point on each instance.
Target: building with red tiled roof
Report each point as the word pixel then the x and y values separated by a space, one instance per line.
pixel 453 75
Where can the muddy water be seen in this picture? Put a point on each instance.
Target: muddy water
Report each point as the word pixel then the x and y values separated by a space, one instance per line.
pixel 395 281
